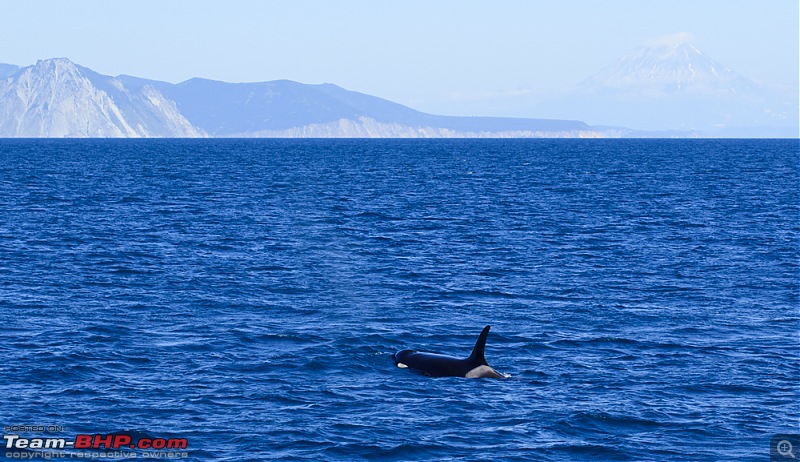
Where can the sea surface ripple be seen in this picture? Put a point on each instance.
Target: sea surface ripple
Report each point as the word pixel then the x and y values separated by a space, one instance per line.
pixel 247 295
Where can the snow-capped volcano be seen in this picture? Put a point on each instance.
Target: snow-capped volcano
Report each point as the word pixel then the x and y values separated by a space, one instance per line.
pixel 667 66
pixel 668 83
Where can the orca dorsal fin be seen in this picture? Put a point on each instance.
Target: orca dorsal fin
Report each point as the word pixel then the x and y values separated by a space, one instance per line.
pixel 480 346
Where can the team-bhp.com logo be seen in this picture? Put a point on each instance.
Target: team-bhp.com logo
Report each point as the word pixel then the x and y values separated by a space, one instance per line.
pixel 95 446
pixel 115 441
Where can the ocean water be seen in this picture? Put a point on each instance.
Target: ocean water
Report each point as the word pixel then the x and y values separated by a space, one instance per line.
pixel 247 295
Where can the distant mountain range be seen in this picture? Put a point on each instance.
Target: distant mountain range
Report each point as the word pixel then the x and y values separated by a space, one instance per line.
pixel 665 88
pixel 58 98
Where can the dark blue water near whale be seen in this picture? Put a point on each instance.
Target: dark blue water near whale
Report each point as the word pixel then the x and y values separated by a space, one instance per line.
pixel 247 295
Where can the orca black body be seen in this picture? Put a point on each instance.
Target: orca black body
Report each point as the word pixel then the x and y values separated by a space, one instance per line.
pixel 436 365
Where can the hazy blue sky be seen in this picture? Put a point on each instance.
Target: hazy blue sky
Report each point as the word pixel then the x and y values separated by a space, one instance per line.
pixel 430 54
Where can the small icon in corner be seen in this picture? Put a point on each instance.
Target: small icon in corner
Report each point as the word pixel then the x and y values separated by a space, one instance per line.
pixel 783 447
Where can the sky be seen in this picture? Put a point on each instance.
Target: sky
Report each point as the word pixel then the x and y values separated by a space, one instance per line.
pixel 459 57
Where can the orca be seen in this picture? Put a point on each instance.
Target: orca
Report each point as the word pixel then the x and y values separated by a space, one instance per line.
pixel 436 365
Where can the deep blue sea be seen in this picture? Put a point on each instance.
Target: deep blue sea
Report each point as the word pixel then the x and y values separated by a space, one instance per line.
pixel 644 296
